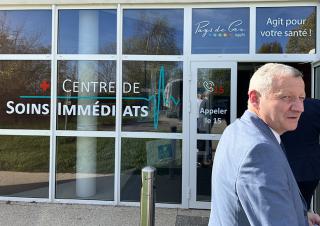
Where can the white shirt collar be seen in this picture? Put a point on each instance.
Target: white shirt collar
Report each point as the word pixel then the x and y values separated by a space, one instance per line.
pixel 276 135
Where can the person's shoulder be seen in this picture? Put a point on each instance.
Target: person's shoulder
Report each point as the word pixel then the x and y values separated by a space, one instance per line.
pixel 265 152
pixel 246 131
pixel 263 159
pixel 265 144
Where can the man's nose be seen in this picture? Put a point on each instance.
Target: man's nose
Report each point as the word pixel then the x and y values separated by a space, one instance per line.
pixel 297 105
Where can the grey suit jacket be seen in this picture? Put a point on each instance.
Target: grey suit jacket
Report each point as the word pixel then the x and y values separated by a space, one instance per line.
pixel 252 183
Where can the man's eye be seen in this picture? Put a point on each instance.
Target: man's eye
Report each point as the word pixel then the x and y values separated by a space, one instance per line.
pixel 292 98
pixel 285 98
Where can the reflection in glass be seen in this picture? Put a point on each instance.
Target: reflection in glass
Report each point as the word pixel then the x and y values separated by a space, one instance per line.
pixel 164 155
pixel 85 175
pixel 24 166
pixel 317 82
pixel 25 94
pixel 152 96
pixel 205 155
pixel 286 30
pixel 25 31
pixel 213 100
pixel 153 31
pixel 86 95
pixel 79 30
pixel 221 30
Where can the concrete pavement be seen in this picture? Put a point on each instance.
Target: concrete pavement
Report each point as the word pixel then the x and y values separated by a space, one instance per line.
pixel 47 214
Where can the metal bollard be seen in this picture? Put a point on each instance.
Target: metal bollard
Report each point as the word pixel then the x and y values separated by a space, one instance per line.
pixel 147 200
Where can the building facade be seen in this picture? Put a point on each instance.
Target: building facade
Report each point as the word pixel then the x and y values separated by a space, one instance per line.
pixel 93 91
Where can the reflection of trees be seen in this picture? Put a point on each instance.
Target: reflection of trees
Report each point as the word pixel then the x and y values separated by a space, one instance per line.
pixel 18 39
pixel 304 44
pixel 134 71
pixel 108 48
pixel 147 73
pixel 24 153
pixel 66 155
pixel 66 70
pixel 152 37
pixel 272 47
pixel 107 74
pixel 135 157
pixel 22 78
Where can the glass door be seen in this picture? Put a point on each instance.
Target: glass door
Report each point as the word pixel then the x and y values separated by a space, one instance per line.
pixel 213 107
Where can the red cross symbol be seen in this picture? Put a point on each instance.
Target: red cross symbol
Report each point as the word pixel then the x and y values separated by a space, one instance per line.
pixel 44 85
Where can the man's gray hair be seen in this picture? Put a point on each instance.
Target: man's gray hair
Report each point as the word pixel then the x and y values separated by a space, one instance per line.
pixel 261 80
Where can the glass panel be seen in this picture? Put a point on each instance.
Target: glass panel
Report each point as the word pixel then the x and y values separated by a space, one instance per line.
pixel 24 166
pixel 286 30
pixel 213 98
pixel 85 168
pixel 25 94
pixel 153 31
pixel 317 82
pixel 205 154
pixel 86 95
pixel 25 31
pixel 220 30
pixel 87 31
pixel 316 197
pixel 152 96
pixel 316 200
pixel 164 155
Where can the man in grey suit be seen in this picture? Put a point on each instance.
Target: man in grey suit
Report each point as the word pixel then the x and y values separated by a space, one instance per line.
pixel 252 183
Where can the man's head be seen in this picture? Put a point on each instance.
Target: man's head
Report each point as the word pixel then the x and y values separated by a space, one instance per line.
pixel 276 94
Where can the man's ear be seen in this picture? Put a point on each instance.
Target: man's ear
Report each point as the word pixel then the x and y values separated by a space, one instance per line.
pixel 254 98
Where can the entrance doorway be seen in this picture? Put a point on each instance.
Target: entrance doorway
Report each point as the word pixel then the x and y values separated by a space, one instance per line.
pixel 218 95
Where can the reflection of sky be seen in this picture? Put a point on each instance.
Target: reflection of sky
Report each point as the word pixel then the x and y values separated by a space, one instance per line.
pixel 32 22
pixel 173 17
pixel 278 12
pixel 220 19
pixel 68 41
